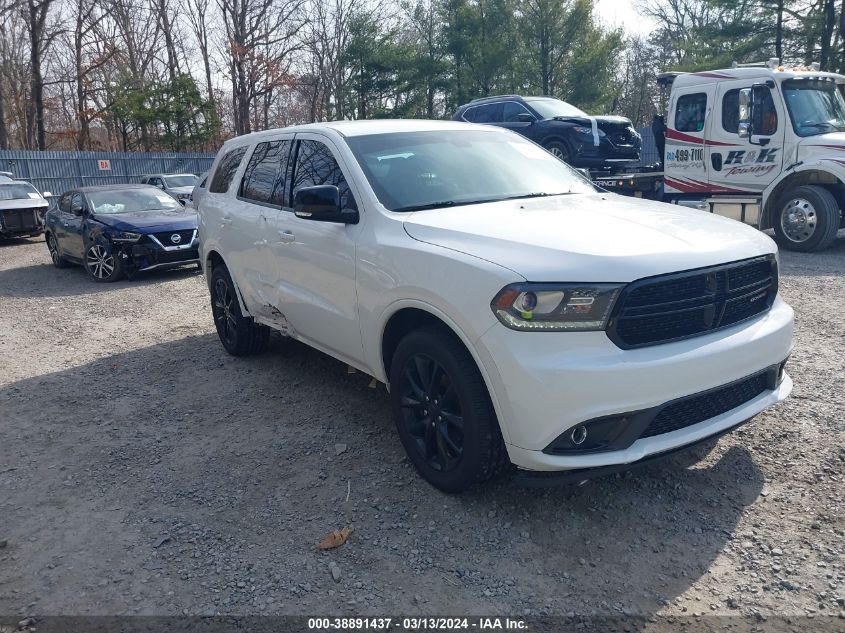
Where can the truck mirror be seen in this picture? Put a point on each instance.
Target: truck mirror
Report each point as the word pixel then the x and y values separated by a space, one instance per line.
pixel 745 101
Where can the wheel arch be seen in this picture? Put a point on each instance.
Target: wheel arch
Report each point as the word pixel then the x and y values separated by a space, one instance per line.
pixel 816 175
pixel 406 316
pixel 212 259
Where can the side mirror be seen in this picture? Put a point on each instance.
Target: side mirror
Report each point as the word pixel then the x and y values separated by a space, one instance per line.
pixel 322 204
pixel 745 106
pixel 525 117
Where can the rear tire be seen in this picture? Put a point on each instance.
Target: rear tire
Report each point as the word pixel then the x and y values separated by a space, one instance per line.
pixel 55 253
pixel 443 412
pixel 807 219
pixel 240 335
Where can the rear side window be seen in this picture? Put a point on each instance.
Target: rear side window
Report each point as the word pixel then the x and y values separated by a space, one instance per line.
pixel 264 177
pixel 690 111
pixel 226 170
pixel 491 113
pixel 315 165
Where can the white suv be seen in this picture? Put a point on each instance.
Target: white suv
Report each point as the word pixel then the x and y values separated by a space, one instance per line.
pixel 518 315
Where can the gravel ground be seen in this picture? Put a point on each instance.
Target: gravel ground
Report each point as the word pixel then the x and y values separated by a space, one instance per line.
pixel 144 471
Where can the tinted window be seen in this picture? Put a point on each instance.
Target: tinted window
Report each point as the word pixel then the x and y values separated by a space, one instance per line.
pixel 690 111
pixel 77 201
pixel 512 110
pixel 315 165
pixel 490 113
pixel 765 115
pixel 64 203
pixel 226 170
pixel 550 108
pixel 264 177
pixel 730 111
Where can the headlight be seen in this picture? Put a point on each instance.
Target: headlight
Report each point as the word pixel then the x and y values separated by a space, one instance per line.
pixel 586 131
pixel 549 306
pixel 124 236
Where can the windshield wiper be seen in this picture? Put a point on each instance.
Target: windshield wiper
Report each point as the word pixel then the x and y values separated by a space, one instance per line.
pixel 455 203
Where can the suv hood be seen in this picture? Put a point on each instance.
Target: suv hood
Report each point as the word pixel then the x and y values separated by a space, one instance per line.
pixel 589 237
pixel 180 190
pixel 23 203
pixel 150 221
pixel 606 122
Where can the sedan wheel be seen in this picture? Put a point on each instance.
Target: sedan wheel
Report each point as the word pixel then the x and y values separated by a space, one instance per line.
pixel 55 255
pixel 101 264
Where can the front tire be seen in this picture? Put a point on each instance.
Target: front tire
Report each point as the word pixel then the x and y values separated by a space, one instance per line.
pixel 807 219
pixel 443 412
pixel 102 264
pixel 560 150
pixel 240 335
pixel 55 254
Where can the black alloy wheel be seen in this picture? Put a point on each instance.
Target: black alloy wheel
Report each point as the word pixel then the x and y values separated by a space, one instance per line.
pixel 240 335
pixel 432 412
pixel 443 411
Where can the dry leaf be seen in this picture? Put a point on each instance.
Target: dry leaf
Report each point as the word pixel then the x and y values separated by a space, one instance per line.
pixel 335 539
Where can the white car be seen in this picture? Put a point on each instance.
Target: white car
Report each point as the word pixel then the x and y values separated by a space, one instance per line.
pixel 517 314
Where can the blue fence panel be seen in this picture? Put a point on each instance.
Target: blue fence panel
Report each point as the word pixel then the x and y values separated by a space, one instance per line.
pixel 57 172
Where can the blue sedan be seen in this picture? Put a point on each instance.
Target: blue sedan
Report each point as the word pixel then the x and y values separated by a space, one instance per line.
pixel 118 230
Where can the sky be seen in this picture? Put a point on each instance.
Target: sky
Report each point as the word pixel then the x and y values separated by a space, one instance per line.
pixel 622 13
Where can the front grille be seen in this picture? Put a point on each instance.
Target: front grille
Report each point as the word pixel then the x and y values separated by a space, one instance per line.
pixel 171 257
pixel 166 237
pixel 20 219
pixel 695 409
pixel 673 307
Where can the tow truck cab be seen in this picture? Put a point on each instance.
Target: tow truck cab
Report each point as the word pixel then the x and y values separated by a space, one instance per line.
pixel 762 143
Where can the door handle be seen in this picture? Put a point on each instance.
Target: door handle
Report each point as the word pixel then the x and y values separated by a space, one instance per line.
pixel 225 221
pixel 287 237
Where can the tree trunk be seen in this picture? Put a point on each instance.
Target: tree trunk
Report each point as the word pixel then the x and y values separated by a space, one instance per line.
pixel 779 32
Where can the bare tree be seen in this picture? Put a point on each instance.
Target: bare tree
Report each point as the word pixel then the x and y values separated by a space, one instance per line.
pixel 261 37
pixel 198 18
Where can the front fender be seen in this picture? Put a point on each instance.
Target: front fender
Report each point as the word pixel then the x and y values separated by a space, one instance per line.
pixel 820 170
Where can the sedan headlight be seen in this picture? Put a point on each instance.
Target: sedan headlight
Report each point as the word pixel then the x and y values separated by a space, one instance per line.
pixel 124 236
pixel 567 307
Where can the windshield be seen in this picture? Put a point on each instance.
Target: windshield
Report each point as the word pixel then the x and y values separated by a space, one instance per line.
pixel 18 191
pixel 414 170
pixel 815 106
pixel 183 180
pixel 550 108
pixel 132 201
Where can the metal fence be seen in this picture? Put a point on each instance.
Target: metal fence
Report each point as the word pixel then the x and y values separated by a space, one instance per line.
pixel 56 172
pixel 649 154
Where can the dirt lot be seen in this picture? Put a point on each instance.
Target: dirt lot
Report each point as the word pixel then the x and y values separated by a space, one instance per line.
pixel 142 470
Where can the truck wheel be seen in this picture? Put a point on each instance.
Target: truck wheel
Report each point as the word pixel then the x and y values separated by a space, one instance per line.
pixel 560 150
pixel 807 219
pixel 443 412
pixel 240 335
pixel 55 254
pixel 101 264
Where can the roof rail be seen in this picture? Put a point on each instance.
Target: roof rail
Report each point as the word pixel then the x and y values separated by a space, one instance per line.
pixel 496 97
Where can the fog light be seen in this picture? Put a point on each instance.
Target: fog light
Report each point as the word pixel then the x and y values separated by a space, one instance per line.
pixel 579 435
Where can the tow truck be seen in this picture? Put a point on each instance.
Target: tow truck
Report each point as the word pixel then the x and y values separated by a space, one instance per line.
pixel 762 143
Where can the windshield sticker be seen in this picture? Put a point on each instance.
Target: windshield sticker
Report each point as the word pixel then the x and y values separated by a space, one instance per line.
pixel 34 196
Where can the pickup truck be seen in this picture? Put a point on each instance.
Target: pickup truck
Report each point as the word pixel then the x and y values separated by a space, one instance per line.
pixel 519 316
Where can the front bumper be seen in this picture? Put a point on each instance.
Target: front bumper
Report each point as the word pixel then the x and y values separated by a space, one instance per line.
pixel 15 222
pixel 545 384
pixel 607 153
pixel 152 256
